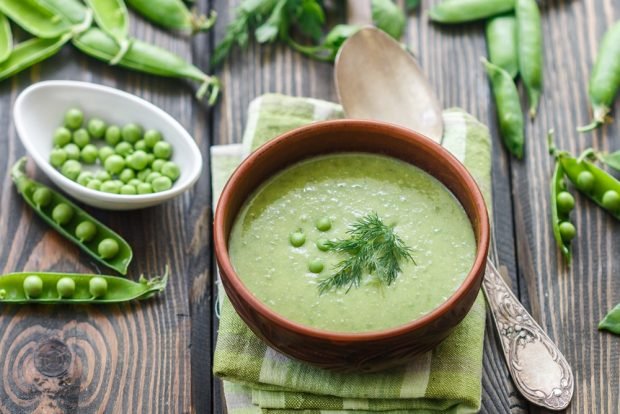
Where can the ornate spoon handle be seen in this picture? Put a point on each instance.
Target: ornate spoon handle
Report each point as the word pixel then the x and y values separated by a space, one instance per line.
pixel 537 366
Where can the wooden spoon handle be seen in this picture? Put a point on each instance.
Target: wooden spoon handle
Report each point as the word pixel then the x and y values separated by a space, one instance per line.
pixel 359 12
pixel 538 368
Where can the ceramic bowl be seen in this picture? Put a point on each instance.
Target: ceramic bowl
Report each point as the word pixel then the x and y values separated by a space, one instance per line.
pixel 40 109
pixel 367 351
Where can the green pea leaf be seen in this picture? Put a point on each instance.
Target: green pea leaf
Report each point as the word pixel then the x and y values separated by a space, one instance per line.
pixel 411 4
pixel 611 321
pixel 388 17
pixel 310 19
pixel 275 24
pixel 612 160
pixel 338 35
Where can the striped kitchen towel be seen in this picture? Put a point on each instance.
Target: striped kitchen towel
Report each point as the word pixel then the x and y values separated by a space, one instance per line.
pixel 259 380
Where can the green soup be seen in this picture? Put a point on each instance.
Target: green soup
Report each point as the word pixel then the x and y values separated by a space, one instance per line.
pixel 343 188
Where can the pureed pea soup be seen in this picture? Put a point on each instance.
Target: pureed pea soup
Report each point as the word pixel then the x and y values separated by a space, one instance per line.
pixel 319 199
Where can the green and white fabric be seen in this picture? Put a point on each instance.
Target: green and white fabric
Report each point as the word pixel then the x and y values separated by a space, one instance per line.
pixel 259 380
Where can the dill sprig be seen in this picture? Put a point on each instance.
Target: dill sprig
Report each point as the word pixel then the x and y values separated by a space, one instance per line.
pixel 373 247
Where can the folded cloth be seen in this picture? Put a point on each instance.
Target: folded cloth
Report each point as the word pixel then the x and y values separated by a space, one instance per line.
pixel 258 379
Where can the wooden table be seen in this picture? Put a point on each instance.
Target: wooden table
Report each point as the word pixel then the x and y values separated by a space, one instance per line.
pixel 155 356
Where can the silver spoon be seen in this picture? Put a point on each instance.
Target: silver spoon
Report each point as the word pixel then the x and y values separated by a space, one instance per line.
pixel 377 79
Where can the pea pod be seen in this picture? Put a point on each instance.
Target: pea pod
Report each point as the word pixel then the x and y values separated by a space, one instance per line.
pixel 6 38
pixel 459 11
pixel 72 10
pixel 146 58
pixel 529 33
pixel 508 108
pixel 49 209
pixel 172 14
pixel 74 288
pixel 562 203
pixel 501 35
pixel 605 78
pixel 597 184
pixel 112 17
pixel 611 322
pixel 30 52
pixel 35 18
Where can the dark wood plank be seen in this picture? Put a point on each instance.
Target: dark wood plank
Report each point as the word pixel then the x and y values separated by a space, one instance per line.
pixel 127 358
pixel 569 302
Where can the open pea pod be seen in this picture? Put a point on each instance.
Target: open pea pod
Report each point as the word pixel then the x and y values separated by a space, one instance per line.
pixel 611 322
pixel 6 38
pixel 562 203
pixel 600 186
pixel 27 188
pixel 36 18
pixel 75 288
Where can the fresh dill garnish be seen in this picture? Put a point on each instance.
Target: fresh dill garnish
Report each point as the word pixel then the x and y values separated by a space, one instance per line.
pixel 373 247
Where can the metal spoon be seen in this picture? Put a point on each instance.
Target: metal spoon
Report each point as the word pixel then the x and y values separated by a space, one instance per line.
pixel 377 79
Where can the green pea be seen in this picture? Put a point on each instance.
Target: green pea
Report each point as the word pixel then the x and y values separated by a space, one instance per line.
pixel 585 181
pixel 152 176
pixel 74 118
pixel 110 187
pixel 73 151
pixel 128 189
pixel 58 156
pixel 94 184
pixel 65 287
pixel 134 182
pixel 114 164
pixel 89 154
pixel 171 170
pixel 322 245
pixel 71 169
pixel 565 201
pixel 162 183
pixel 84 178
pixel 140 145
pixel 113 135
pixel 81 138
pixel 108 248
pixel 138 160
pixel 42 197
pixel 33 286
pixel 150 158
pixel 143 174
pixel 102 176
pixel 152 137
pixel 96 128
pixel 62 214
pixel 162 150
pixel 315 266
pixel 62 136
pixel 567 231
pixel 123 148
pixel 126 175
pixel 297 238
pixel 85 231
pixel 144 188
pixel 98 286
pixel 131 133
pixel 157 164
pixel 611 200
pixel 324 224
pixel 105 152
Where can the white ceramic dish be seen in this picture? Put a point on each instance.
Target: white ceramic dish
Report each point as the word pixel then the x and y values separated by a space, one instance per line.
pixel 40 109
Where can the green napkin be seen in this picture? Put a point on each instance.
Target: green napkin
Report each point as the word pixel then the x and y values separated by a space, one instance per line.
pixel 259 380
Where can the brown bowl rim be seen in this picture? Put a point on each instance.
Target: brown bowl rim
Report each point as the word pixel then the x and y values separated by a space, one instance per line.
pixel 227 270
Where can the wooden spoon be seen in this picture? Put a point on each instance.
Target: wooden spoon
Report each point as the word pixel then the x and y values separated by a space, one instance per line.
pixel 377 80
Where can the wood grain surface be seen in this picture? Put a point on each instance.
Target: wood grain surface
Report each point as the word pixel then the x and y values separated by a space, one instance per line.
pixel 155 356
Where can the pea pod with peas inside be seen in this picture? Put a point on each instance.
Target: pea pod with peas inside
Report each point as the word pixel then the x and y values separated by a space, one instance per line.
pixel 460 11
pixel 605 78
pixel 562 203
pixel 172 14
pixel 594 182
pixel 93 237
pixel 146 58
pixel 74 288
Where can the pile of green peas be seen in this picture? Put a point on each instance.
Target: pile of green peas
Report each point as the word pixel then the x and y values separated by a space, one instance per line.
pixel 134 161
pixel 298 238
